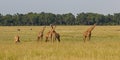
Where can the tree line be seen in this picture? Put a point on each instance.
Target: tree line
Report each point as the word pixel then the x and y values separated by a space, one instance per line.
pixel 33 19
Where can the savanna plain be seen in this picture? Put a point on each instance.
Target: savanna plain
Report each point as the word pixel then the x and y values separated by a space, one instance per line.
pixel 104 44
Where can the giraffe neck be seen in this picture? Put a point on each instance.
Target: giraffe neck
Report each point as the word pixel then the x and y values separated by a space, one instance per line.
pixel 42 31
pixel 91 28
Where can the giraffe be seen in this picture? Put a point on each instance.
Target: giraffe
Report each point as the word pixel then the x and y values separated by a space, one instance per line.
pixel 17 39
pixel 53 34
pixel 49 34
pixel 40 35
pixel 87 33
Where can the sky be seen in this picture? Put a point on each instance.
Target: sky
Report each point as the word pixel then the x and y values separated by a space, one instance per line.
pixel 60 6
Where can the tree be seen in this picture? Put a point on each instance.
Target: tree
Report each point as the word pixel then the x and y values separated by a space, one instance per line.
pixel 61 19
pixel 69 19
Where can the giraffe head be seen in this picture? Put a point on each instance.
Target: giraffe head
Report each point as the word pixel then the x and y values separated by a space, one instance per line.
pixel 53 27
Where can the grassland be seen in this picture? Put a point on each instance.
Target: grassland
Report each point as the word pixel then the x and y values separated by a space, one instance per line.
pixel 104 45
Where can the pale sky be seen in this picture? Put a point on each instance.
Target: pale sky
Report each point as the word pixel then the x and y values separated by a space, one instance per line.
pixel 59 6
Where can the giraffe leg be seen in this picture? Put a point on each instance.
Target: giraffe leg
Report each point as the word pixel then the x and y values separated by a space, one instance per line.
pixel 84 38
pixel 41 38
pixel 38 38
pixel 89 37
pixel 54 38
pixel 46 39
pixel 51 37
pixel 58 38
pixel 18 40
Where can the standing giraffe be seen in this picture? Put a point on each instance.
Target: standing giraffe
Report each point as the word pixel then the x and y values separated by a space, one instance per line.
pixel 55 36
pixel 40 35
pixel 87 33
pixel 17 39
pixel 52 34
pixel 49 34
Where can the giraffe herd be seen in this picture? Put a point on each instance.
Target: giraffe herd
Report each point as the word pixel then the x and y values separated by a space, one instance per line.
pixel 52 35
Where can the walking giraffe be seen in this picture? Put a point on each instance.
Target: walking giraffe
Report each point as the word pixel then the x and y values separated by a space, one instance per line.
pixel 87 33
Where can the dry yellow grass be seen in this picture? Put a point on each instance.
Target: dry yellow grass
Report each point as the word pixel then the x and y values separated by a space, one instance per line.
pixel 104 45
